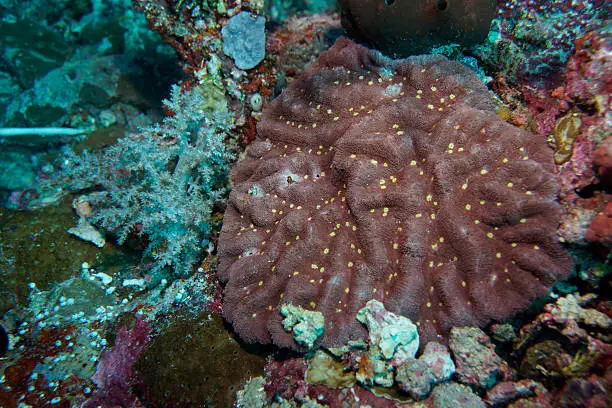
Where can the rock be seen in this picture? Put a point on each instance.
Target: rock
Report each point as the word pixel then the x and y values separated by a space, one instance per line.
pixel 324 369
pixel 244 39
pixel 453 395
pixel 591 392
pixel 509 391
pixel 307 326
pixel 477 363
pixel 417 377
pixel 396 336
pixel 565 317
pixel 503 333
pixel 252 395
pixel 88 232
pixel 438 359
pixel 544 360
pixel 17 171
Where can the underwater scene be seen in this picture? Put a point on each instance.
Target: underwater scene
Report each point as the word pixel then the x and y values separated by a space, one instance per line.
pixel 305 203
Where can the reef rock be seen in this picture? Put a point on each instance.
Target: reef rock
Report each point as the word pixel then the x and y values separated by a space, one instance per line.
pixel 477 363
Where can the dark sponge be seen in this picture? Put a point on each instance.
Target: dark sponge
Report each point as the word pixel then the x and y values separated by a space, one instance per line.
pixel 407 27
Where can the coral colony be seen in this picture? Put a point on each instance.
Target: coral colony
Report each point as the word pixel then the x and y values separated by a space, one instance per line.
pixel 391 180
pixel 352 203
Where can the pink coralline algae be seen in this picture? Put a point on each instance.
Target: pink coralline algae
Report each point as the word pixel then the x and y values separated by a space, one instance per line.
pixel 477 363
pixel 600 228
pixel 506 392
pixel 393 180
pixel 114 374
pixel 602 159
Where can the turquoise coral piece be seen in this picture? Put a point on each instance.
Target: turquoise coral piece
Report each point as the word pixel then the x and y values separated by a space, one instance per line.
pixel 396 336
pixel 307 326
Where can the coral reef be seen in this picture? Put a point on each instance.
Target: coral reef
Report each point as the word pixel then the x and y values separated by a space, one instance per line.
pixel 402 28
pixel 602 160
pixel 282 10
pixel 83 326
pixel 566 102
pixel 600 227
pixel 299 43
pixel 531 39
pixel 567 348
pixel 390 180
pixel 568 373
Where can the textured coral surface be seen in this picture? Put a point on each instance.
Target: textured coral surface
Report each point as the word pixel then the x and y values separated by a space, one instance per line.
pixel 392 180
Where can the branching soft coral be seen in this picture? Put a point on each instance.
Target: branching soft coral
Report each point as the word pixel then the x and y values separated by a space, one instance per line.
pixel 162 183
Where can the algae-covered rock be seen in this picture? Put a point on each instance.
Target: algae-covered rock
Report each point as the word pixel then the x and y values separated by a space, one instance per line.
pixel 396 336
pixel 253 395
pixel 477 362
pixel 307 326
pixel 324 369
pixel 453 395
pixel 392 338
pixel 70 300
pixel 417 377
pixel 244 39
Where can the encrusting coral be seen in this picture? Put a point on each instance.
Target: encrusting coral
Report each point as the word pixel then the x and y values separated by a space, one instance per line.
pixel 393 180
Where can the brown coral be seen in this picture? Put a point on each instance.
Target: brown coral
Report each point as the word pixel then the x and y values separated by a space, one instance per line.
pixel 393 180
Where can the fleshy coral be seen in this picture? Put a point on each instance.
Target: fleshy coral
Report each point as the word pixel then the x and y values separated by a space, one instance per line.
pixel 392 180
pixel 412 26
